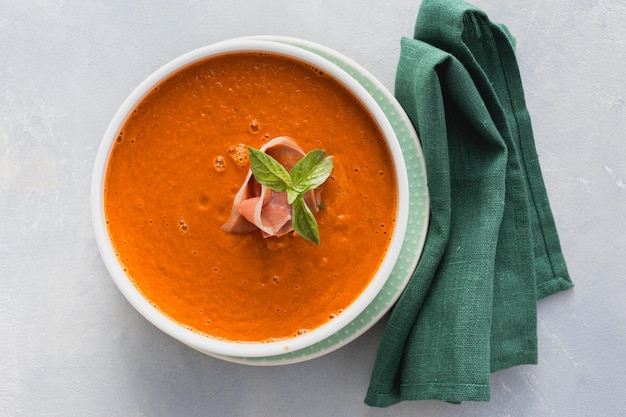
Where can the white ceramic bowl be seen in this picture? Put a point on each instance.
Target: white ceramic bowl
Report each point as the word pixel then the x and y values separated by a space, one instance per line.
pixel 199 341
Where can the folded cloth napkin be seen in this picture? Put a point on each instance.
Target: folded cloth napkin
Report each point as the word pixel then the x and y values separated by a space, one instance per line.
pixel 492 248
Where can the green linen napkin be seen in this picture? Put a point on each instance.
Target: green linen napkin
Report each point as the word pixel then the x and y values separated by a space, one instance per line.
pixel 492 248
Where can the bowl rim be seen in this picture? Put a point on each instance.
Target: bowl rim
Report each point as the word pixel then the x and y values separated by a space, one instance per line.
pixel 195 339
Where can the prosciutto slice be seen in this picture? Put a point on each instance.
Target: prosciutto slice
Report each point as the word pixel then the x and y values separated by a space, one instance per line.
pixel 258 207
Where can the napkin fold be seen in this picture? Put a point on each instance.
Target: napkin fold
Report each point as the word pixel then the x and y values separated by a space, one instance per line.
pixel 492 248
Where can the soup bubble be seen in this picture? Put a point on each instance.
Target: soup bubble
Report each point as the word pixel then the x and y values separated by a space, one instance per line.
pixel 239 154
pixel 219 164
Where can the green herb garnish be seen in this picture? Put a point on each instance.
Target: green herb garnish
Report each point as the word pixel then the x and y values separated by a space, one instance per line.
pixel 309 173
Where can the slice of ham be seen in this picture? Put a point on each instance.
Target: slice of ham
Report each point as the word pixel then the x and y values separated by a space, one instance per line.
pixel 258 207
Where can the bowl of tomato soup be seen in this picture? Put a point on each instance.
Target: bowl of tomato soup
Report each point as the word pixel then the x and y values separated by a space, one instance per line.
pixel 167 196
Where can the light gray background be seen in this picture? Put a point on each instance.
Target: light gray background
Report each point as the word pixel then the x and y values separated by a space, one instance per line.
pixel 71 345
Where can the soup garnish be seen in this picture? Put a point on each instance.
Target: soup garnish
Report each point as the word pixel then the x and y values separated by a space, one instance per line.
pixel 307 174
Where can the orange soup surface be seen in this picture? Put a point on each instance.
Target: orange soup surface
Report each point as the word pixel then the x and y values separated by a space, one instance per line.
pixel 170 185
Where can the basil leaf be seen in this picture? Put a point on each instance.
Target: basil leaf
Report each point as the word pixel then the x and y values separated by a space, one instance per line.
pixel 316 176
pixel 292 195
pixel 303 221
pixel 268 171
pixel 306 164
pixel 311 171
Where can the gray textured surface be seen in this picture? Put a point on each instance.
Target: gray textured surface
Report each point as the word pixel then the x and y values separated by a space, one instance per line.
pixel 72 346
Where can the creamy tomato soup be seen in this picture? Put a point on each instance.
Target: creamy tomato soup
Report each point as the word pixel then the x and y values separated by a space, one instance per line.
pixel 170 184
